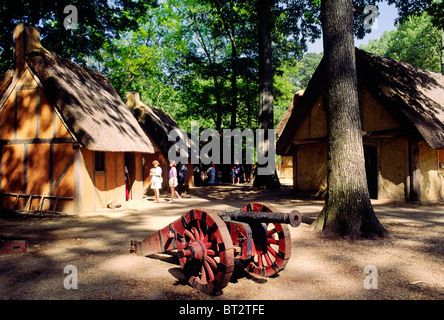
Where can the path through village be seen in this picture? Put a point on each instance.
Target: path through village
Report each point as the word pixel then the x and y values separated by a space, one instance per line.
pixel 409 264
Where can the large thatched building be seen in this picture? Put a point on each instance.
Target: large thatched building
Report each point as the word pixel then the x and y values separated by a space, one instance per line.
pixel 65 134
pixel 402 115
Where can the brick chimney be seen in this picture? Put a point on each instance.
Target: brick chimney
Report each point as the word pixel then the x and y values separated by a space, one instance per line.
pixel 26 39
pixel 132 99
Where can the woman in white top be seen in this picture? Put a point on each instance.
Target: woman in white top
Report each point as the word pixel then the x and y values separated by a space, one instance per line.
pixel 156 179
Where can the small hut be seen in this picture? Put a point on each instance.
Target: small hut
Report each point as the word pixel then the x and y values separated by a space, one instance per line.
pixel 65 135
pixel 157 124
pixel 402 117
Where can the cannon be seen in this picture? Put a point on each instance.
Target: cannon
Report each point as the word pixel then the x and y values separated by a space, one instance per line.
pixel 208 242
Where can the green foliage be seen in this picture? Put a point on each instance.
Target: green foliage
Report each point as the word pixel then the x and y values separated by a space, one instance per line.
pixel 292 76
pixel 137 60
pixel 98 22
pixel 416 41
pixel 184 55
pixel 285 85
pixel 436 11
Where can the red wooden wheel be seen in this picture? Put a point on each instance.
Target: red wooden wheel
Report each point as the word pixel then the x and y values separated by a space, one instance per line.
pixel 205 251
pixel 272 254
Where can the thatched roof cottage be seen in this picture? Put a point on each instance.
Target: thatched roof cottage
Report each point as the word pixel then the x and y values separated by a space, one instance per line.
pixel 65 134
pixel 402 116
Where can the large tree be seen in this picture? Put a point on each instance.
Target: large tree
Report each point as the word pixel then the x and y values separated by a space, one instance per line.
pixel 265 26
pixel 348 210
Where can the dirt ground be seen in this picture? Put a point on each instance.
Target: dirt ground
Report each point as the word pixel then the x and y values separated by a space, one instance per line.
pixel 409 264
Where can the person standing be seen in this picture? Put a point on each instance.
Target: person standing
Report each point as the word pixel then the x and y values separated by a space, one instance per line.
pixel 172 182
pixel 127 184
pixel 219 177
pixel 197 177
pixel 233 174
pixel 211 175
pixel 237 172
pixel 156 179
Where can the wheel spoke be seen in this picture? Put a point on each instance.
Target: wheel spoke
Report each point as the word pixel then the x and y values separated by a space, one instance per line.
pixel 190 235
pixel 203 276
pixel 271 231
pixel 259 261
pixel 195 233
pixel 271 250
pixel 186 253
pixel 267 259
pixel 211 261
pixel 209 271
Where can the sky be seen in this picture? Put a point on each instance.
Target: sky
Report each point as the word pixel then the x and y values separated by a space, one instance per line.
pixel 386 22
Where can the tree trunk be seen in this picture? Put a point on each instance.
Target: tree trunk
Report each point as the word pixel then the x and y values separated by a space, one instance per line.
pixel 266 97
pixel 234 66
pixel 230 29
pixel 348 210
pixel 218 103
pixel 442 51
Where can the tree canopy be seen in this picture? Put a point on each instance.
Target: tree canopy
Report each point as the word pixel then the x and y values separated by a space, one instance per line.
pixel 416 41
pixel 98 22
pixel 195 59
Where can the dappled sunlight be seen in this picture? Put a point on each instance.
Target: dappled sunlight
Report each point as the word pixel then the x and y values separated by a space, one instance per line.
pixel 409 262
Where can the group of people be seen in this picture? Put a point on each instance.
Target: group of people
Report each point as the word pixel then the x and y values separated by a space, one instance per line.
pixel 156 180
pixel 211 177
pixel 240 173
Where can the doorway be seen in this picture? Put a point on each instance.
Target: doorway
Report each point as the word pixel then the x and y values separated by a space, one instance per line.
pixel 129 174
pixel 371 170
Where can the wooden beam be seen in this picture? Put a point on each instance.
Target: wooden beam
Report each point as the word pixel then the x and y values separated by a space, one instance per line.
pixel 24 195
pixel 5 142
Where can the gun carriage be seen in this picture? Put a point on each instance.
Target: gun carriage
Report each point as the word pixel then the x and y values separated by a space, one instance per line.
pixel 208 241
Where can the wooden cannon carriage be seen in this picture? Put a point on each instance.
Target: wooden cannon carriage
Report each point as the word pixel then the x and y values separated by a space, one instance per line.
pixel 208 241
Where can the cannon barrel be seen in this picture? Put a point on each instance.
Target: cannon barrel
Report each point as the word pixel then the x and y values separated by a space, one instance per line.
pixel 292 218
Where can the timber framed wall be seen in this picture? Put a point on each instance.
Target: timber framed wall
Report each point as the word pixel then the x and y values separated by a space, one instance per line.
pixel 54 115
pixel 37 153
pixel 404 169
pixel 99 187
pixel 431 173
pixel 39 157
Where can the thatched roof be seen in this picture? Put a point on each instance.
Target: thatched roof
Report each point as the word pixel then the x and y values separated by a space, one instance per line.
pixel 412 92
pixel 87 103
pixel 284 120
pixel 6 80
pixel 414 97
pixel 155 122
